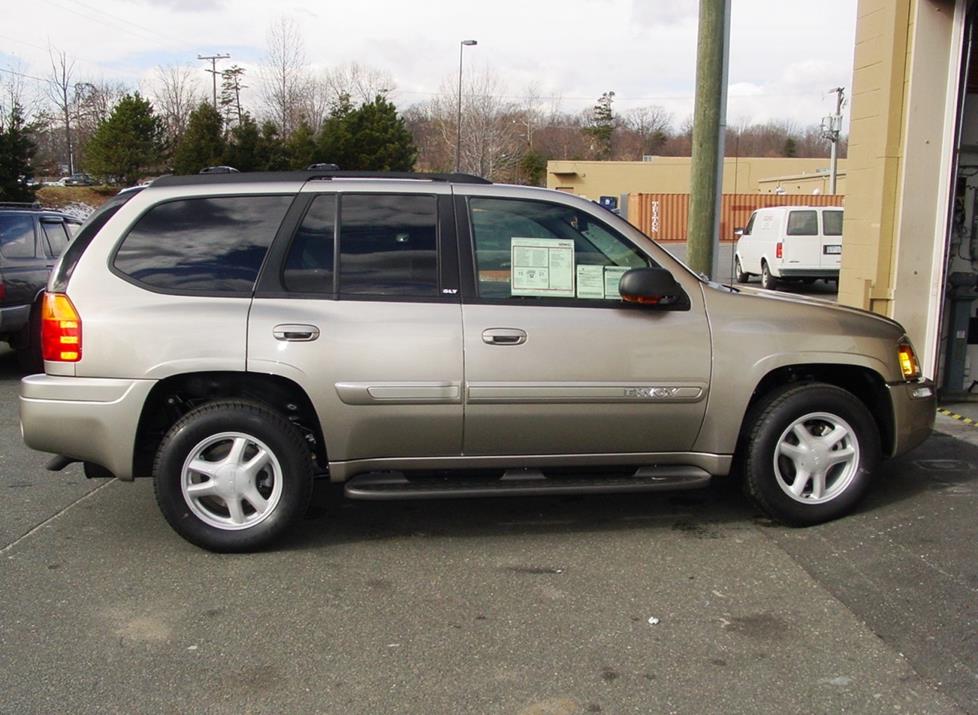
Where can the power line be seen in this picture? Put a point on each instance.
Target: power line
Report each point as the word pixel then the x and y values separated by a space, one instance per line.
pixel 21 74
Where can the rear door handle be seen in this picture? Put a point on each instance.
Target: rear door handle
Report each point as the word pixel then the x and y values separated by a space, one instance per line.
pixel 298 333
pixel 504 336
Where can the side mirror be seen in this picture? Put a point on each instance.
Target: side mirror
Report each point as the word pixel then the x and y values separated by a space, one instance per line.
pixel 738 232
pixel 651 286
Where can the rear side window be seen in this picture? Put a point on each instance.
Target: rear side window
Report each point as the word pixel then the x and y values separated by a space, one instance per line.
pixel 309 265
pixel 83 236
pixel 803 223
pixel 388 245
pixel 56 235
pixel 17 236
pixel 202 245
pixel 832 223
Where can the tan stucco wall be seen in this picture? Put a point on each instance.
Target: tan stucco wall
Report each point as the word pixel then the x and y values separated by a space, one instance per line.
pixel 804 184
pixel 900 144
pixel 670 174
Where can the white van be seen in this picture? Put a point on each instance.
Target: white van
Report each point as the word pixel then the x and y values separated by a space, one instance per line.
pixel 803 242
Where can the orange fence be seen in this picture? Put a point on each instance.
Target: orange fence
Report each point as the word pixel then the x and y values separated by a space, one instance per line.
pixel 664 216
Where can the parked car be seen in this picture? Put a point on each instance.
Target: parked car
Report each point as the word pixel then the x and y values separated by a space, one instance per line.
pixel 415 336
pixel 77 180
pixel 31 239
pixel 791 242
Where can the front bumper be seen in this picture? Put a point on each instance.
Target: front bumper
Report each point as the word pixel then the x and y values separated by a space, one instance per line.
pixel 88 419
pixel 914 410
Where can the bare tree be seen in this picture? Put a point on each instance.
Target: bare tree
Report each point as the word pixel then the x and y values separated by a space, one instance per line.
pixel 176 93
pixel 283 73
pixel 60 90
pixel 648 129
pixel 360 82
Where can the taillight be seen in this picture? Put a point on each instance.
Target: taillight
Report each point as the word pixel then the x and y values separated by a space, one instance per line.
pixel 780 250
pixel 61 330
pixel 3 290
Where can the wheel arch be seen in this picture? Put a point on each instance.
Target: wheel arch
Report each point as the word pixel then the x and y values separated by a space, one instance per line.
pixel 864 383
pixel 174 396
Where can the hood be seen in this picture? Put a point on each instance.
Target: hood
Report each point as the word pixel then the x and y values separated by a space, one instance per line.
pixel 778 296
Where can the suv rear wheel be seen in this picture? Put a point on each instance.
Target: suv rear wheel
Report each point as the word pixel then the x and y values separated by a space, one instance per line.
pixel 768 281
pixel 233 476
pixel 811 454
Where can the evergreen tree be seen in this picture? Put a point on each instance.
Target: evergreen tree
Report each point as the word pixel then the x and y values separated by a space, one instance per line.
pixel 17 149
pixel 301 147
pixel 254 148
pixel 790 147
pixel 371 137
pixel 127 143
pixel 202 144
pixel 601 127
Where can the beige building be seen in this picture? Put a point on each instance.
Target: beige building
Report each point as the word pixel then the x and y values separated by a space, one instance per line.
pixel 912 155
pixel 671 175
pixel 817 183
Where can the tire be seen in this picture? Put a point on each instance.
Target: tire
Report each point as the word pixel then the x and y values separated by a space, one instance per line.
pixel 768 282
pixel 739 274
pixel 249 504
pixel 795 468
pixel 29 349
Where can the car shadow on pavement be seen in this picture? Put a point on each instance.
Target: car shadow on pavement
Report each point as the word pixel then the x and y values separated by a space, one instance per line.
pixel 702 513
pixel 717 511
pixel 9 368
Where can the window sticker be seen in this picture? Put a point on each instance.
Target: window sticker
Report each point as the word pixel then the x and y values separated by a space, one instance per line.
pixel 590 281
pixel 542 267
pixel 612 276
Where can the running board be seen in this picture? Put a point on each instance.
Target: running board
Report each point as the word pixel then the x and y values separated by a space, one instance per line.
pixel 379 486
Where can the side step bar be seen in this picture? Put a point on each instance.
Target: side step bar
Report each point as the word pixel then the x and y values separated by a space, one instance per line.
pixel 379 486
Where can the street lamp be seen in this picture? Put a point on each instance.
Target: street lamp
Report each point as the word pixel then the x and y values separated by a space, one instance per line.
pixel 458 139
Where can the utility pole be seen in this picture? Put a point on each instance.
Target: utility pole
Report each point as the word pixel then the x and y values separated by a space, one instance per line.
pixel 832 130
pixel 709 122
pixel 213 69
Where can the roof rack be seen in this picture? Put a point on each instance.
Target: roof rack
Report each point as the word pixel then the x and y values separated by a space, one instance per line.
pixel 271 176
pixel 20 205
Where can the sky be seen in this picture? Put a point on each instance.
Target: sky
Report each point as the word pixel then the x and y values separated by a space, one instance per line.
pixel 784 56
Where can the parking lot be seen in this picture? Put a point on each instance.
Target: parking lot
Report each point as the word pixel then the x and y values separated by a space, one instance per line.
pixel 687 603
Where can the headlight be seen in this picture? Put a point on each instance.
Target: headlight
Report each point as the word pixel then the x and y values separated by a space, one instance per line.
pixel 908 360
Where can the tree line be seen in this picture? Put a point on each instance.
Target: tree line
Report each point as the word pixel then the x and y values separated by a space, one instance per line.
pixel 346 116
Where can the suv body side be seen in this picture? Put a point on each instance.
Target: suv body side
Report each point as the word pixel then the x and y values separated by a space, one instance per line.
pixel 402 382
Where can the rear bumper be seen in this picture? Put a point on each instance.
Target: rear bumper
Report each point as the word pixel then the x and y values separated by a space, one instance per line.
pixel 914 410
pixel 88 419
pixel 13 318
pixel 809 272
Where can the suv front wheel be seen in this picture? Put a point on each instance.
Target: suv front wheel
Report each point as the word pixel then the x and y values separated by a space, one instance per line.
pixel 233 476
pixel 811 454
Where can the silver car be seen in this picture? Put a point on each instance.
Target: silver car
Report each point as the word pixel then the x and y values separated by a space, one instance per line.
pixel 237 336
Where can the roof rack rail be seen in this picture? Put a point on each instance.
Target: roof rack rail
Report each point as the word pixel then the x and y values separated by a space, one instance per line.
pixel 245 177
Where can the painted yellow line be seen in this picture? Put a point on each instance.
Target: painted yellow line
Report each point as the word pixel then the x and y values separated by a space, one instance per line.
pixel 956 416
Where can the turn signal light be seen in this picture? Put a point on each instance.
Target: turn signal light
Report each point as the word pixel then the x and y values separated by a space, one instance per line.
pixel 780 250
pixel 61 331
pixel 908 361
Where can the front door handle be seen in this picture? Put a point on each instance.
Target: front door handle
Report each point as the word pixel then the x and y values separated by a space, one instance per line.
pixel 296 333
pixel 504 336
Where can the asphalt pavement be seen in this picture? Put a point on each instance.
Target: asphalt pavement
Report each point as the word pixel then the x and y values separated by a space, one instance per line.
pixel 657 603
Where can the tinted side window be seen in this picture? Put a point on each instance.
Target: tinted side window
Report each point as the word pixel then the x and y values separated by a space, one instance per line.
pixel 832 223
pixel 56 235
pixel 309 264
pixel 388 245
pixel 537 249
pixel 210 245
pixel 17 236
pixel 802 223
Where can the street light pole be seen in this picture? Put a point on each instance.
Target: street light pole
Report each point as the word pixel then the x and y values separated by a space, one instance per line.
pixel 458 137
